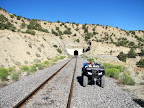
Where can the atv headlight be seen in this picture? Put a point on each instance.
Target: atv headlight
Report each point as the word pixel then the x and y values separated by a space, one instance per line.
pixel 89 73
pixel 100 73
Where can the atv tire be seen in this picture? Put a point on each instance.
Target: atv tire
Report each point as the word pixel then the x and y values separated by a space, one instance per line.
pixel 102 81
pixel 85 80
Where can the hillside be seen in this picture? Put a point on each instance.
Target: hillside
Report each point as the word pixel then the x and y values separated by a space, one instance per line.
pixel 28 47
pixel 25 41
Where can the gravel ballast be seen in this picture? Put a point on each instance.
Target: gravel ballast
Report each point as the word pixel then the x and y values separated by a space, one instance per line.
pixel 93 96
pixel 55 93
pixel 13 93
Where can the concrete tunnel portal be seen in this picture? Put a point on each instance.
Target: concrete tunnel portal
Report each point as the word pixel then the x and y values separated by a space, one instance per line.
pixel 74 51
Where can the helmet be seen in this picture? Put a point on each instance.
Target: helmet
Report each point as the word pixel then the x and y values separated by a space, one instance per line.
pixel 91 63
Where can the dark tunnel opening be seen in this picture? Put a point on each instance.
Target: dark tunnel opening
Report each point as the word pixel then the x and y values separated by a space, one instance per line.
pixel 75 53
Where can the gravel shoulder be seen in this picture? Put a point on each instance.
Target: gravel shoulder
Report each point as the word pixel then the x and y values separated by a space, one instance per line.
pixel 111 96
pixel 13 93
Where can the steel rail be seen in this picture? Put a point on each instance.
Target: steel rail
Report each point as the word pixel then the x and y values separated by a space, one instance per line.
pixel 29 96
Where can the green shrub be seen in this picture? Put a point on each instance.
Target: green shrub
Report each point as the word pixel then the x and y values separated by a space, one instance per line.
pixel 77 29
pixel 11 69
pixel 122 56
pixel 12 16
pixel 30 32
pixel 88 36
pixel 33 68
pixel 62 57
pixel 22 20
pixel 73 23
pixel 36 64
pixel 131 44
pixel 46 62
pixel 33 25
pixel 77 40
pixel 142 77
pixel 12 28
pixel 36 61
pixel 8 26
pixel 142 83
pixel 127 79
pixel 58 21
pixel 140 63
pixel 137 73
pixel 45 23
pixel 23 25
pixel 49 58
pixel 77 24
pixel 3 74
pixel 54 32
pixel 55 46
pixel 15 76
pixel 3 18
pixel 142 52
pixel 139 38
pixel 55 59
pixel 74 34
pixel 65 26
pixel 113 72
pixel 60 32
pixel 18 17
pixel 61 37
pixel 59 50
pixel 67 32
pixel 25 68
pixel 40 66
pixel 18 30
pixel 57 28
pixel 122 42
pixel 109 66
pixel 131 53
pixel 86 30
pixel 69 28
pixel 118 67
pixel 110 52
pixel 94 29
pixel 91 59
pixel 94 33
pixel 132 32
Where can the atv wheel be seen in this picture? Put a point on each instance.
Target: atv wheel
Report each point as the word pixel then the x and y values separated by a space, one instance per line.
pixel 102 81
pixel 85 80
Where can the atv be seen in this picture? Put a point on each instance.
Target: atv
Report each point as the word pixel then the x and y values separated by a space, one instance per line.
pixel 93 74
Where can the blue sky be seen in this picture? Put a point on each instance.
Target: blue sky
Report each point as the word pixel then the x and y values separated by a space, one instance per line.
pixel 125 14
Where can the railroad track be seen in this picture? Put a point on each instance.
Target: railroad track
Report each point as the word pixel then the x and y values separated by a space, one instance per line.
pixel 35 91
pixel 72 86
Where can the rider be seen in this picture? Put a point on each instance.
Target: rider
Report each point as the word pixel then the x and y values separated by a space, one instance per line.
pixel 92 64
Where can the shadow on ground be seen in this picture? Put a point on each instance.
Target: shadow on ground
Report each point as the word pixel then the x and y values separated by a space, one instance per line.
pixel 139 101
pixel 79 79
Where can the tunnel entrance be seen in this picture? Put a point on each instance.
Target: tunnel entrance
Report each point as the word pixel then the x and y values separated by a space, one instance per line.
pixel 75 53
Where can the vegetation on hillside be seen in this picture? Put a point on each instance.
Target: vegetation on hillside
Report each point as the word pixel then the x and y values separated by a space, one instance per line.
pixel 29 69
pixel 5 24
pixel 122 56
pixel 114 72
pixel 141 63
pixel 34 25
pixel 131 53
